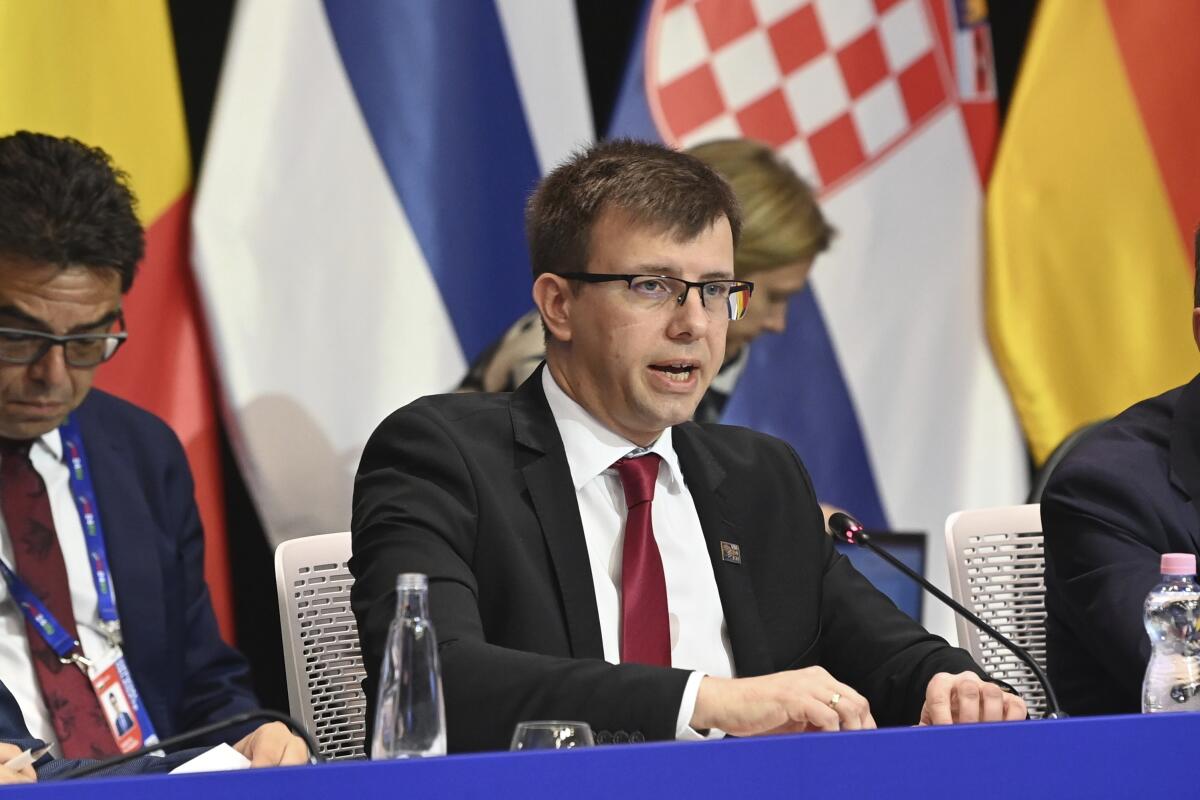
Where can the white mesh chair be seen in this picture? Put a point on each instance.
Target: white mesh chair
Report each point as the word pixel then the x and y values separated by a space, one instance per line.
pixel 996 565
pixel 320 642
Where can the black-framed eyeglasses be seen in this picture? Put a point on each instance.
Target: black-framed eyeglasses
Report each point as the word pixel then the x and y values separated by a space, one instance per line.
pixel 724 296
pixel 21 346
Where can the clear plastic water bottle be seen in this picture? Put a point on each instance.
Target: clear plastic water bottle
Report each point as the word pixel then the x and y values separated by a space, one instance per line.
pixel 410 718
pixel 1173 621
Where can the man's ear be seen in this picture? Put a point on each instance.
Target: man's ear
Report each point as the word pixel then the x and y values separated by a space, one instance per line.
pixel 553 296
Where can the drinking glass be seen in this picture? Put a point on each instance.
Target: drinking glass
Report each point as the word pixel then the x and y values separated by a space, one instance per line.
pixel 551 735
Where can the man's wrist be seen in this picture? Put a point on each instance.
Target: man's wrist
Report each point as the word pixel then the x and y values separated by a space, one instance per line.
pixel 686 725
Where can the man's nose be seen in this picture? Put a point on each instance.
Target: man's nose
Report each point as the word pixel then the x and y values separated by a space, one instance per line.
pixel 51 367
pixel 690 316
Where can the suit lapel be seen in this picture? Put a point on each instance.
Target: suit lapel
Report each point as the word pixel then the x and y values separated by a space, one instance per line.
pixel 1185 447
pixel 706 478
pixel 547 476
pixel 133 557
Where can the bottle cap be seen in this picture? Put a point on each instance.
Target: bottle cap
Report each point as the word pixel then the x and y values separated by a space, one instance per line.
pixel 1178 564
pixel 408 581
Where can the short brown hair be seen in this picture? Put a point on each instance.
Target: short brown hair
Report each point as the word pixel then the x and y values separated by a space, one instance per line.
pixel 781 221
pixel 655 185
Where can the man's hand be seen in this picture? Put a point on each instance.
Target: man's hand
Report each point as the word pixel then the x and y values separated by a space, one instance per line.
pixel 273 745
pixel 785 702
pixel 26 775
pixel 966 697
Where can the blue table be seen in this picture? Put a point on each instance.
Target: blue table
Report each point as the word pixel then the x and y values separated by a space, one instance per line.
pixel 1096 757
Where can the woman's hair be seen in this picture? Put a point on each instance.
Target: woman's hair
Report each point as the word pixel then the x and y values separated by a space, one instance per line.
pixel 781 221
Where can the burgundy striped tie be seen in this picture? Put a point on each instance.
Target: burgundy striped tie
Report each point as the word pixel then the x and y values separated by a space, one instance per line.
pixel 645 624
pixel 78 720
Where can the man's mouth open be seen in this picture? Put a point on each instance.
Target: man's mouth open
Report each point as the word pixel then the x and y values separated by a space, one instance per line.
pixel 680 372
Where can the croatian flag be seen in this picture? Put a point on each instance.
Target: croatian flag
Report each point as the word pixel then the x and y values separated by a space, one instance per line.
pixel 358 227
pixel 883 381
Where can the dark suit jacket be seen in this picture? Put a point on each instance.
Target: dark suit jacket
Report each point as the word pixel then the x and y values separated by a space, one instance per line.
pixel 1125 495
pixel 186 675
pixel 475 491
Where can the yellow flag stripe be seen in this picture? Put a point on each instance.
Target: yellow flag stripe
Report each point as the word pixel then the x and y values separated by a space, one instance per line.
pixel 1089 292
pixel 103 71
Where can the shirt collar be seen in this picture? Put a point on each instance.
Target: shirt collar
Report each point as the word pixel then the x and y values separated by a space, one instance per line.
pixel 592 448
pixel 50 443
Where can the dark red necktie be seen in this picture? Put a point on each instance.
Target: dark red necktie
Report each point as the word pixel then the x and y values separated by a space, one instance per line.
pixel 78 720
pixel 645 624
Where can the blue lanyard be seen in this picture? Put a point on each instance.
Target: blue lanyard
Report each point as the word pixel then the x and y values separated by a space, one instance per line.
pixel 89 517
pixel 59 639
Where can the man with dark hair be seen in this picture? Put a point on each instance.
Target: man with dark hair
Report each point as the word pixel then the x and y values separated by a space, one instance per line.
pixel 1124 495
pixel 593 555
pixel 101 548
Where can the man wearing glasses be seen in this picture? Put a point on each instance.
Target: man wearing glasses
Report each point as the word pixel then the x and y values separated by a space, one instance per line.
pixel 101 551
pixel 593 555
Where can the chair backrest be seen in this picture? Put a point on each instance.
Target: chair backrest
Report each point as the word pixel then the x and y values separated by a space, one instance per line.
pixel 996 570
pixel 320 642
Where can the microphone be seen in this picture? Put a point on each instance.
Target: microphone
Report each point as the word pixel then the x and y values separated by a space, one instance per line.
pixel 199 733
pixel 846 528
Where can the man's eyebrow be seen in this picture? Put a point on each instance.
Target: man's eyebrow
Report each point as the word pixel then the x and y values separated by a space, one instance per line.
pixel 669 271
pixel 102 322
pixel 14 313
pixel 656 269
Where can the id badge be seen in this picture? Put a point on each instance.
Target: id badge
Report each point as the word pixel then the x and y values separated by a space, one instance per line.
pixel 127 717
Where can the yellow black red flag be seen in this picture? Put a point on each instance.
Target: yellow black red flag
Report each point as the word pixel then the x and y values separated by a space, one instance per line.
pixel 1091 210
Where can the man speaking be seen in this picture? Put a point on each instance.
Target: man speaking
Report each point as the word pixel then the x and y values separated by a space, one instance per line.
pixel 593 555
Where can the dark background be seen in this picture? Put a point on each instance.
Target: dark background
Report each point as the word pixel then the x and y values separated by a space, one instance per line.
pixel 607 29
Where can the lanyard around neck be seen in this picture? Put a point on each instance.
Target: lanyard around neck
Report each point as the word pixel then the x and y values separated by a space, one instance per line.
pixel 83 493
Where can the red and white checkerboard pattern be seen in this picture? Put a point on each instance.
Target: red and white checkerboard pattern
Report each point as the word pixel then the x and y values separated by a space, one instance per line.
pixel 831 84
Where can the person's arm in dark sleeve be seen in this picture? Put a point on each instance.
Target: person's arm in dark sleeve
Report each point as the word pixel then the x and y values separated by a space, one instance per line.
pixel 870 644
pixel 1103 542
pixel 216 683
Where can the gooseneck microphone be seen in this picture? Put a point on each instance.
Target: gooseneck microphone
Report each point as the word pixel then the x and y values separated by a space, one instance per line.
pixel 846 528
pixel 199 733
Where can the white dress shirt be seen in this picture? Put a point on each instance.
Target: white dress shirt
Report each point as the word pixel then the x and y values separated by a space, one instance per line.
pixel 16 662
pixel 699 639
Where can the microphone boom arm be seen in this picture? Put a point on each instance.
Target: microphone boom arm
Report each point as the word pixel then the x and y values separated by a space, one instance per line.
pixel 846 528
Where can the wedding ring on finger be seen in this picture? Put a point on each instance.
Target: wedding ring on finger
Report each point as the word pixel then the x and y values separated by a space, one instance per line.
pixel 837 698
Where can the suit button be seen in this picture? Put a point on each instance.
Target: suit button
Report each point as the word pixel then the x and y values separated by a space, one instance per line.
pixel 620 737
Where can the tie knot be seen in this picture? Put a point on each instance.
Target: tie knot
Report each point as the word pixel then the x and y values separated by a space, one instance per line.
pixel 637 477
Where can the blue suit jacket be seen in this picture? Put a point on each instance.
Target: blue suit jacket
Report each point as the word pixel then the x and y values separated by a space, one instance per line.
pixel 13 731
pixel 1125 495
pixel 186 675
